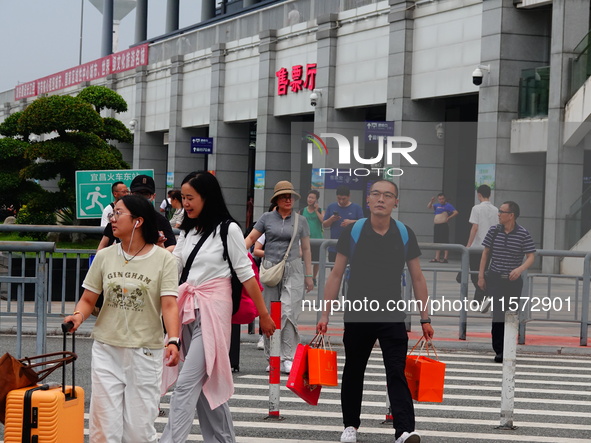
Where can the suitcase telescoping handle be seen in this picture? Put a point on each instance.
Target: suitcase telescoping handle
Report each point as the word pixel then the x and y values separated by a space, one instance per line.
pixel 66 327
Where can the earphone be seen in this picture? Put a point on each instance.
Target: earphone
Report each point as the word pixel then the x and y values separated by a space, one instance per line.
pixel 136 223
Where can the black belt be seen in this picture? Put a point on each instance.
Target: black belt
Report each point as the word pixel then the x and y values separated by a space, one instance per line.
pixel 499 275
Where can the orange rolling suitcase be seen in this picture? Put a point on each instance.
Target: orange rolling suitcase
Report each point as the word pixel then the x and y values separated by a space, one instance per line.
pixel 46 413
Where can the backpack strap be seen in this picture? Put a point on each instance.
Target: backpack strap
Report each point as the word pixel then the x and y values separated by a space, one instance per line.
pixel 356 232
pixel 404 235
pixel 189 263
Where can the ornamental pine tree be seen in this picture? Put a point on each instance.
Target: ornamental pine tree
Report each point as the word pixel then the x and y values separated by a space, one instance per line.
pixel 76 137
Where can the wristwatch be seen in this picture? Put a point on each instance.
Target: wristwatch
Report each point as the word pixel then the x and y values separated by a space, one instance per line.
pixel 427 320
pixel 175 342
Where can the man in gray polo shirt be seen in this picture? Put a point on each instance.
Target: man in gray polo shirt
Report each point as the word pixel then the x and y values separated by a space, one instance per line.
pixel 506 248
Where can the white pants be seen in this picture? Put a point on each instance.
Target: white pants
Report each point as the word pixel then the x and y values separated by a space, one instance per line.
pixel 290 292
pixel 125 393
pixel 216 424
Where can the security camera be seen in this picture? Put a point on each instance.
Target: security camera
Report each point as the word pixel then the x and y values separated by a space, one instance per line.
pixel 477 76
pixel 314 99
pixel 132 124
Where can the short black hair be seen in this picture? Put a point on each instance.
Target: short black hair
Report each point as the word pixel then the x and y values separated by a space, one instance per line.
pixel 315 192
pixel 175 194
pixel 484 190
pixel 343 190
pixel 114 185
pixel 513 207
pixel 141 207
pixel 441 194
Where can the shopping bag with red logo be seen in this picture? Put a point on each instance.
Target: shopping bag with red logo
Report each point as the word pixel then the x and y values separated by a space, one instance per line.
pixel 425 376
pixel 298 380
pixel 322 363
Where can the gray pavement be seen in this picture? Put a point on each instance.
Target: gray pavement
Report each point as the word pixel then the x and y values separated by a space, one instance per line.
pixel 553 400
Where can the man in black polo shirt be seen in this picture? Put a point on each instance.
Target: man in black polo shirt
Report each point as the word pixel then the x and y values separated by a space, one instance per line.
pixel 376 263
pixel 506 248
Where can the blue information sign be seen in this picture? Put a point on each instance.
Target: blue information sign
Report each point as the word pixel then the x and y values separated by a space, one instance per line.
pixel 202 145
pixel 373 130
pixel 344 178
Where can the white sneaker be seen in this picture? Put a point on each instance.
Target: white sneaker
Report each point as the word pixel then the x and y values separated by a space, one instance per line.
pixel 286 366
pixel 349 435
pixel 261 343
pixel 409 437
pixel 268 368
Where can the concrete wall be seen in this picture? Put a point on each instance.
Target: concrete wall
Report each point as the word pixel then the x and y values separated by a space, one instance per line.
pixel 446 48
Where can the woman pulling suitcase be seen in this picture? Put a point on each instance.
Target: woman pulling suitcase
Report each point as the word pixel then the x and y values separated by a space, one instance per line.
pixel 140 283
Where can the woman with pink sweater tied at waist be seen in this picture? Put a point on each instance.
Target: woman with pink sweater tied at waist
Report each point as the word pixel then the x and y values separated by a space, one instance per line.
pixel 205 305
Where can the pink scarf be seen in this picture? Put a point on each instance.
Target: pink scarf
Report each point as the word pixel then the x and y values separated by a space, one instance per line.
pixel 215 306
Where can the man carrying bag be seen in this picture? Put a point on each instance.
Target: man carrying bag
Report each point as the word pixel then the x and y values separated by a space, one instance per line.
pixel 377 254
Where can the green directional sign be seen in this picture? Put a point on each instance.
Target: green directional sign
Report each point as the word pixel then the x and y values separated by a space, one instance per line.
pixel 93 189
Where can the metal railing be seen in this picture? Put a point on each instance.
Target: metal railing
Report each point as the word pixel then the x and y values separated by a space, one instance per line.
pixel 39 280
pixel 578 220
pixel 38 263
pixel 580 65
pixel 564 303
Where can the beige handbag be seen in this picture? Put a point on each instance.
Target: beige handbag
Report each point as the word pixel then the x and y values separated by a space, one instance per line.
pixel 273 275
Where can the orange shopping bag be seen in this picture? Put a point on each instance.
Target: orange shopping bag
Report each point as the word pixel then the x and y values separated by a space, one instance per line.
pixel 298 377
pixel 322 364
pixel 425 376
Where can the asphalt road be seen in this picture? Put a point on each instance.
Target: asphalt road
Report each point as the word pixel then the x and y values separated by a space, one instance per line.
pixel 552 404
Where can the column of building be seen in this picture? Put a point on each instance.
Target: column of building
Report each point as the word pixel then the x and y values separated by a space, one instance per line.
pixel 326 118
pixel 512 40
pixel 180 159
pixel 564 165
pixel 413 119
pixel 272 140
pixel 149 151
pixel 230 153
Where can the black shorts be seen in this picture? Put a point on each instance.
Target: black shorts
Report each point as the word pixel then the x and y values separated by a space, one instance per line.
pixel 441 233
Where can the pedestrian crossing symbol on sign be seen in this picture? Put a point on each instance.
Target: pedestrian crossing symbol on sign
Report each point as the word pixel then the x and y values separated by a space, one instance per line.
pixel 93 189
pixel 95 197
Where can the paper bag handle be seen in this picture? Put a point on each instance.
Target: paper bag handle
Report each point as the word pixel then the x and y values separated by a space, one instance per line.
pixel 425 344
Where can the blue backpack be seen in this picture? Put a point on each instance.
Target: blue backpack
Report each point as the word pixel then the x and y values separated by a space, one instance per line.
pixel 356 232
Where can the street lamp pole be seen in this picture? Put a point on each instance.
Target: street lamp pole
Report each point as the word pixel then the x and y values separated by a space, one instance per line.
pixel 81 29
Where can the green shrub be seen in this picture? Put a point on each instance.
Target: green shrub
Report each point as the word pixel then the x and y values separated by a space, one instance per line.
pixel 26 217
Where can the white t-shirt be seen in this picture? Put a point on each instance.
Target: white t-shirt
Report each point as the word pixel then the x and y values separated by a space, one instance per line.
pixel 164 203
pixel 484 215
pixel 209 262
pixel 131 314
pixel 105 217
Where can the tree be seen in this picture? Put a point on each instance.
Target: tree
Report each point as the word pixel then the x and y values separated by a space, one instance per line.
pixel 80 142
pixel 14 189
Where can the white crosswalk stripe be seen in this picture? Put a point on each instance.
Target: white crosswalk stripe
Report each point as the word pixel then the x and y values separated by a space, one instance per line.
pixel 552 404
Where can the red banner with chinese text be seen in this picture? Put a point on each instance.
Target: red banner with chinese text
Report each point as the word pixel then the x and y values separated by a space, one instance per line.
pixel 111 64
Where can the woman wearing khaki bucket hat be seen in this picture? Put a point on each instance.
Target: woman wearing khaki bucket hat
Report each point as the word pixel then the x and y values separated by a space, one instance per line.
pixel 278 227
